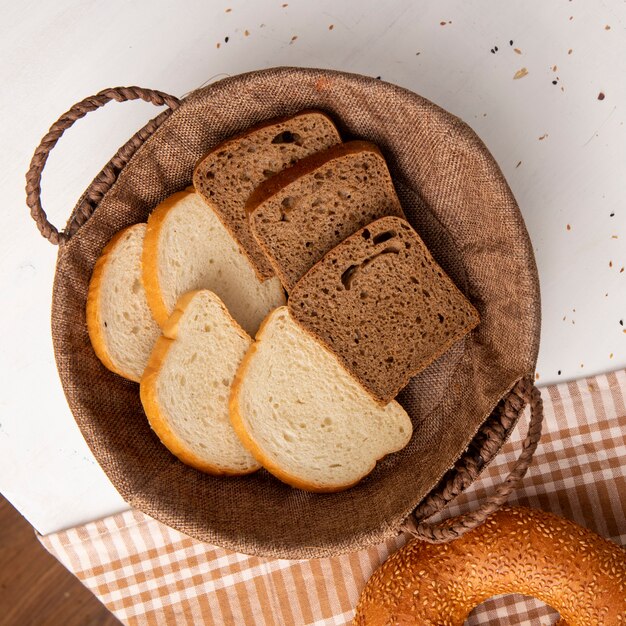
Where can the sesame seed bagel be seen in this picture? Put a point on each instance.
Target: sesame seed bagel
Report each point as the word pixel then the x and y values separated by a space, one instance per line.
pixel 517 550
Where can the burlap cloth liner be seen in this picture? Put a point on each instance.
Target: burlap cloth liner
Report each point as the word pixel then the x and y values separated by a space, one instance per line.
pixel 457 199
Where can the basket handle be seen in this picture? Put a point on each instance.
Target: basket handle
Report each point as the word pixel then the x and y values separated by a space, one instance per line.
pixel 523 393
pixel 107 176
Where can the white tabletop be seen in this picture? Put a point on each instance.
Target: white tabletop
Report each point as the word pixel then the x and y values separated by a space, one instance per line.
pixel 561 147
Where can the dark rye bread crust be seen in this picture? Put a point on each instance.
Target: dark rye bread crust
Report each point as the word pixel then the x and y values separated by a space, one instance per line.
pixel 228 174
pixel 380 302
pixel 306 210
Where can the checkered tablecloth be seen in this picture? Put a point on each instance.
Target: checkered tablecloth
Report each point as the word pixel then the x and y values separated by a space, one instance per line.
pixel 147 573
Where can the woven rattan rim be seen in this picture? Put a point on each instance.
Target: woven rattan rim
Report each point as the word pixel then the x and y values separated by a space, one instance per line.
pixel 487 441
pixel 466 470
pixel 108 175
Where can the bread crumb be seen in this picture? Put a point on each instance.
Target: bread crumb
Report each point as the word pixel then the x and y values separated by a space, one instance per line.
pixel 611 355
pixel 517 51
pixel 570 51
pixel 569 227
pixel 601 96
pixel 582 365
pixel 246 33
pixel 520 73
pixel 607 27
pixel 293 39
pixel 543 136
pixel 537 376
pixel 442 23
pixel 610 263
pixel 228 10
pixel 219 45
pixel 518 164
pixel 554 68
pixel 331 26
pixel 614 237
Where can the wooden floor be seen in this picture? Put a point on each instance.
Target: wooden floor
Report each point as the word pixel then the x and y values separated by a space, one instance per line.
pixel 35 589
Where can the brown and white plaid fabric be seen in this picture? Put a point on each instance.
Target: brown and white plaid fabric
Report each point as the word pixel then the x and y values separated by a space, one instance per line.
pixel 147 573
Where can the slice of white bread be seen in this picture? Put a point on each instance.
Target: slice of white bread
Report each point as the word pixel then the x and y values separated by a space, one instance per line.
pixel 186 385
pixel 119 322
pixel 303 417
pixel 187 248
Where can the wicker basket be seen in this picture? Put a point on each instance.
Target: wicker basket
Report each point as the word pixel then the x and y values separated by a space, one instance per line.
pixel 463 406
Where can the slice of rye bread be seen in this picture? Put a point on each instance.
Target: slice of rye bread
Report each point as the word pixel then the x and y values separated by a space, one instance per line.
pixel 305 211
pixel 228 174
pixel 381 303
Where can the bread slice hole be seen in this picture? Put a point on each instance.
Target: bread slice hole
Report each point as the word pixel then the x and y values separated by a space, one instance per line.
pixel 288 137
pixel 346 277
pixel 385 236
